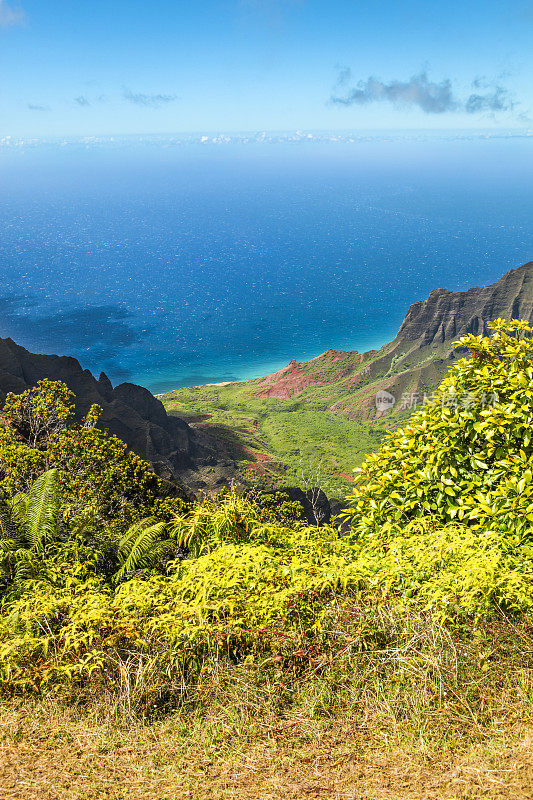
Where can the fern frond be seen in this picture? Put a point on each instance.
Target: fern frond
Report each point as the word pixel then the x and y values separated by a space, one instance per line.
pixel 8 525
pixel 39 512
pixel 137 547
pixel 25 568
pixel 130 537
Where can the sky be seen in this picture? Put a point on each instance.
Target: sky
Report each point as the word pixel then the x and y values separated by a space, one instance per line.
pixel 118 67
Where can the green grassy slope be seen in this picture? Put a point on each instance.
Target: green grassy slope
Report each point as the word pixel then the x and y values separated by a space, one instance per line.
pixel 281 440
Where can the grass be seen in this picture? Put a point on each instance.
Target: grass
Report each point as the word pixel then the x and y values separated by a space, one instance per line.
pixel 432 711
pixel 49 752
pixel 286 436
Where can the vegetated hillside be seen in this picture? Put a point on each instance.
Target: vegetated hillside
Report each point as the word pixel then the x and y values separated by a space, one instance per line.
pixel 229 621
pixel 323 411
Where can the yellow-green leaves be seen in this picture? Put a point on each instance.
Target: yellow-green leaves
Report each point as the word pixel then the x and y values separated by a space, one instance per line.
pixel 472 441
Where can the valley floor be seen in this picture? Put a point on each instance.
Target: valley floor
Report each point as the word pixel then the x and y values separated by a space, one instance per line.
pixel 53 752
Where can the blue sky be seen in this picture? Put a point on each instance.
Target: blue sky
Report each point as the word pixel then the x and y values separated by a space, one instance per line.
pixel 72 67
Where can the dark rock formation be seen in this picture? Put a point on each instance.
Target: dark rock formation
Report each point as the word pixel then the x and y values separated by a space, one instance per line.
pixel 130 412
pixel 417 359
pixel 445 316
pixel 414 363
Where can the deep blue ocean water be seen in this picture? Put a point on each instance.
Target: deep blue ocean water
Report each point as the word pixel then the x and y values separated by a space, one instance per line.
pixel 183 265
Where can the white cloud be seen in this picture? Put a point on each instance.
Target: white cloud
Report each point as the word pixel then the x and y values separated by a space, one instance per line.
pixel 10 15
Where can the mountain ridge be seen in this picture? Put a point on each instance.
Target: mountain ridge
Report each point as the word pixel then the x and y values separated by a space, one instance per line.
pixel 324 409
pixel 419 355
pixel 130 411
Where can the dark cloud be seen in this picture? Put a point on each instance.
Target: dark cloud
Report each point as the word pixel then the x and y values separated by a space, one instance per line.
pixel 496 99
pixel 430 96
pixel 82 100
pixel 10 15
pixel 34 107
pixel 148 100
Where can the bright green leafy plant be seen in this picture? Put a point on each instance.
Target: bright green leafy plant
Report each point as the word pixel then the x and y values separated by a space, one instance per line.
pixel 466 455
pixel 98 476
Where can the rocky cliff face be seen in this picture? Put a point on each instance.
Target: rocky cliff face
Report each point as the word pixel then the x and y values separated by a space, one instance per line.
pixel 130 412
pixel 414 362
pixel 445 316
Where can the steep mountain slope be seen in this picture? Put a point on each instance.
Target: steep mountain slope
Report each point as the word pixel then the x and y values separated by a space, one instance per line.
pixel 325 409
pixel 415 361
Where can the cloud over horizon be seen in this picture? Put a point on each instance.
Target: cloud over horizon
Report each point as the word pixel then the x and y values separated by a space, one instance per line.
pixel 148 100
pixel 420 92
pixel 10 15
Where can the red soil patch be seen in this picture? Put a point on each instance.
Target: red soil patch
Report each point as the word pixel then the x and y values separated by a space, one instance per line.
pixel 294 378
pixel 346 476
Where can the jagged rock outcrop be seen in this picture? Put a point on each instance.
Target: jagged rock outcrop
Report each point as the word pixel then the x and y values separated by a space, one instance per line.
pixel 414 363
pixel 445 316
pixel 129 411
pixel 416 360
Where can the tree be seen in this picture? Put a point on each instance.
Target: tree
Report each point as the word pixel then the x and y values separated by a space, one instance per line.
pixel 468 454
pixel 98 476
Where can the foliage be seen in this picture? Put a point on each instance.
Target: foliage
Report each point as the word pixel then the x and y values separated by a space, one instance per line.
pixel 277 507
pixel 467 455
pixel 37 514
pixel 140 546
pixel 229 518
pixel 28 524
pixel 440 527
pixel 254 590
pixel 98 476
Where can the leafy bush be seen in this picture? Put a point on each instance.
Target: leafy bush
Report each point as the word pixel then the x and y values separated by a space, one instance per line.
pixel 256 592
pixel 468 454
pixel 97 475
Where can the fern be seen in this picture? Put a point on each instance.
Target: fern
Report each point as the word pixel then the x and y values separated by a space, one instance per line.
pixel 137 548
pixel 38 513
pixel 9 532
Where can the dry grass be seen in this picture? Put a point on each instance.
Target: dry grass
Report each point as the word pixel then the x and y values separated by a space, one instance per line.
pixel 49 752
pixel 420 711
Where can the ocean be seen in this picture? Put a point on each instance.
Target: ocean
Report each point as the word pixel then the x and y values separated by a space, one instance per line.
pixel 171 263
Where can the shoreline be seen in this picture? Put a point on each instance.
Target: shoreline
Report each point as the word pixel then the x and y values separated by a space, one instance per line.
pixel 273 369
pixel 198 386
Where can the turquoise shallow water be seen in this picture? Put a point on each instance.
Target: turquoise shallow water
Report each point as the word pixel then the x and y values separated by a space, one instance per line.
pixel 173 265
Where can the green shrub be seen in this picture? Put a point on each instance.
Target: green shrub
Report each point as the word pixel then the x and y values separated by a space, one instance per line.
pixel 256 592
pixel 466 455
pixel 98 477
